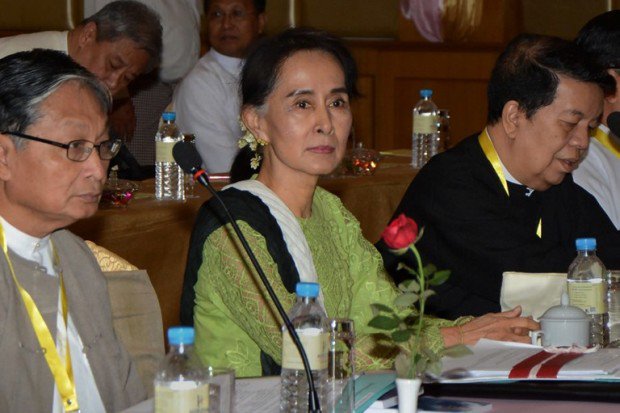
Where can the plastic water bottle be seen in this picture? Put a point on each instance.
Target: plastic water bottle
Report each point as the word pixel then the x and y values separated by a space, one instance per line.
pixel 169 178
pixel 310 322
pixel 587 289
pixel 181 384
pixel 425 137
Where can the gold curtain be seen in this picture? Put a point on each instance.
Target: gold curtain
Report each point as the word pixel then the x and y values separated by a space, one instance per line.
pixel 460 19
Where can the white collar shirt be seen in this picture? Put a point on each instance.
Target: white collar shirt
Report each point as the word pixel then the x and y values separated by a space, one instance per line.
pixel 599 174
pixel 232 65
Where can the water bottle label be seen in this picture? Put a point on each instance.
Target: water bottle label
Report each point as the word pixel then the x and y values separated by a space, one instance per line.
pixel 316 344
pixel 163 151
pixel 182 397
pixel 425 123
pixel 589 296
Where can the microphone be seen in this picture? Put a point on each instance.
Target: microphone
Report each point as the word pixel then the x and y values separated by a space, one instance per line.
pixel 613 122
pixel 187 157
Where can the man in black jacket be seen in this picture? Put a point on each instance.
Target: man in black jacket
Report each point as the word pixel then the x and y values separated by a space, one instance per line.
pixel 504 199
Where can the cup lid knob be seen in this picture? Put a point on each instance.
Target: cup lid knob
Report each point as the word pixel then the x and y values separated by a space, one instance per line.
pixel 564 311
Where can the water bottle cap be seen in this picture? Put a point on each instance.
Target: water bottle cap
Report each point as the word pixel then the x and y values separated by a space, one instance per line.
pixel 307 290
pixel 583 244
pixel 426 93
pixel 181 335
pixel 169 116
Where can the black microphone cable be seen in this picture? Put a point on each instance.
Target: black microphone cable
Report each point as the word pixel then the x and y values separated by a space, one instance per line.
pixel 189 160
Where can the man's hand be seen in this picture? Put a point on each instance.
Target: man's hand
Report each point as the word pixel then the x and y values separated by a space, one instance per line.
pixel 123 119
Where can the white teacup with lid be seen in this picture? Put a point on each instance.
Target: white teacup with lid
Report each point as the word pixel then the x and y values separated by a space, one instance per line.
pixel 563 326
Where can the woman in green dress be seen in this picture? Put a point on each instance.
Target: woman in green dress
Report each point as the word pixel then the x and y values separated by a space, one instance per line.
pixel 296 90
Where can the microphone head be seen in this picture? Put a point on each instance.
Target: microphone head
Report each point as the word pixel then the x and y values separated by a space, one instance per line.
pixel 186 155
pixel 613 122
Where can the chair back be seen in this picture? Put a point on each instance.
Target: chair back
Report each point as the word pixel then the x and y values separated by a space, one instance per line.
pixel 534 292
pixel 135 313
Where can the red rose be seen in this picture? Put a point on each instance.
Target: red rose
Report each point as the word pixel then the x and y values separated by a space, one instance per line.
pixel 401 232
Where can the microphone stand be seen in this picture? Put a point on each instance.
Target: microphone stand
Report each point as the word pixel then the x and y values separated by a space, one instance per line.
pixel 313 397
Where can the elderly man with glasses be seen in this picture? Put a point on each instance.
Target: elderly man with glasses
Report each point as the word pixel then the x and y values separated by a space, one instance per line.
pixel 207 101
pixel 57 341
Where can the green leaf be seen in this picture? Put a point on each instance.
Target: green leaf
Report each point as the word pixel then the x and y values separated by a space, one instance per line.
pixel 409 286
pixel 440 277
pixel 406 300
pixel 430 354
pixel 401 364
pixel 434 368
pixel 382 322
pixel 403 266
pixel 420 234
pixel 380 308
pixel 429 269
pixel 457 351
pixel 427 294
pixel 418 359
pixel 401 336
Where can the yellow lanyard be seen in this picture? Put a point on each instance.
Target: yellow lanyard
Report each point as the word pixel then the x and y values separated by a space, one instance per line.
pixel 62 372
pixel 607 142
pixel 491 154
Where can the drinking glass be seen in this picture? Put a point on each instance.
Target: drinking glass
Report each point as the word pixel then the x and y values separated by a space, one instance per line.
pixel 613 307
pixel 223 380
pixel 443 128
pixel 361 161
pixel 341 366
pixel 190 182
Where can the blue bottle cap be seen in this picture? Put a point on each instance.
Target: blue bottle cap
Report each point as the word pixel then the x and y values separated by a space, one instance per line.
pixel 307 289
pixel 584 244
pixel 181 335
pixel 426 93
pixel 169 116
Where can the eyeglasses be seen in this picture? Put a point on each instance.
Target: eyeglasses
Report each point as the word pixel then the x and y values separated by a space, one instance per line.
pixel 78 150
pixel 236 16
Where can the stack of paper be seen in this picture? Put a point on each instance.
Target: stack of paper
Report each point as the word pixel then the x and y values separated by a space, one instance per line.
pixel 494 360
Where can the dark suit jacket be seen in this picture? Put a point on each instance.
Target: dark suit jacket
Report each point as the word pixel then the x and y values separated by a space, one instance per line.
pixel 474 229
pixel 27 384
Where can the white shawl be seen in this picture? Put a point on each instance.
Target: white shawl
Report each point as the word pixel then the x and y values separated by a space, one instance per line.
pixel 294 237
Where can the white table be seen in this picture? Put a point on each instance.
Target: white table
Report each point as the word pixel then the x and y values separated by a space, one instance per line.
pixel 262 395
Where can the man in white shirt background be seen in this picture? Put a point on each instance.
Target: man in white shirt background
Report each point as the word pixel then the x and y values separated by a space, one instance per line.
pixel 207 100
pixel 58 348
pixel 599 173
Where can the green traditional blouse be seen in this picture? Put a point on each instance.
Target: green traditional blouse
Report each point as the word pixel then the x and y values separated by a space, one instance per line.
pixel 234 317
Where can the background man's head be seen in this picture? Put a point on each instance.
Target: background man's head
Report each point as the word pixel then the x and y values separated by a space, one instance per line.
pixel 45 94
pixel 601 38
pixel 528 72
pixel 233 25
pixel 545 97
pixel 119 42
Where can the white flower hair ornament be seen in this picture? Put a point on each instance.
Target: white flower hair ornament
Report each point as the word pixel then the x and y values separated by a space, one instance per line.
pixel 248 139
